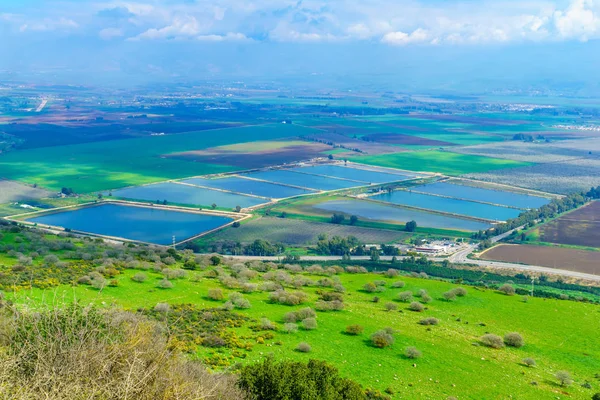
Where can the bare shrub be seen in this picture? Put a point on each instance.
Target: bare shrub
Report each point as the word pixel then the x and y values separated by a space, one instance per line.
pixel 564 378
pixel 165 284
pixel 215 294
pixel 389 306
pixel 309 324
pixel 460 291
pixel 288 298
pixel 416 306
pixel 426 299
pixel 290 328
pixel 450 295
pixel 514 339
pixel 412 353
pixel 382 339
pixel 104 354
pixel 304 347
pixel 139 277
pixel 405 297
pixel 391 273
pixel 398 284
pixel 267 325
pixel 429 321
pixel 530 362
pixel 493 341
pixel 162 307
pixel 507 289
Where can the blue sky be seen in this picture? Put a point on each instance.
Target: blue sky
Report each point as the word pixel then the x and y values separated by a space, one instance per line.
pixel 279 36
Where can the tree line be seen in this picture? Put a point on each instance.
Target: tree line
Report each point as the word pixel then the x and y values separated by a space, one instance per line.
pixel 550 210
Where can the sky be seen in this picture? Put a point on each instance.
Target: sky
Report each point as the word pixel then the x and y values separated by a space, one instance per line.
pixel 422 43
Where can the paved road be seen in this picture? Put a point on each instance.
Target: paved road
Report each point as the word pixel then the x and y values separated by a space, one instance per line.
pixel 479 263
pixel 460 257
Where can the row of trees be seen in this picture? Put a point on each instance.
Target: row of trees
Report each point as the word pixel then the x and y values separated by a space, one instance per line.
pixel 550 210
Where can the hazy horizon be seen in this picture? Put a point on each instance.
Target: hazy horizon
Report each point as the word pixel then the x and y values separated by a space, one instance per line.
pixel 466 46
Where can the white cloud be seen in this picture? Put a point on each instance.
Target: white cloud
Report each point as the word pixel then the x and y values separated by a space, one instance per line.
pixel 578 21
pixel 393 22
pixel 185 26
pixel 48 24
pixel 229 37
pixel 401 38
pixel 111 33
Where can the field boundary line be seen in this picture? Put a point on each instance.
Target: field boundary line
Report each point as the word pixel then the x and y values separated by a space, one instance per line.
pixel 221 190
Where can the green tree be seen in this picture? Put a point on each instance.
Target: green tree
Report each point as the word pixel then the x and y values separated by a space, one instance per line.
pixel 411 226
pixel 290 380
pixel 353 220
pixel 337 218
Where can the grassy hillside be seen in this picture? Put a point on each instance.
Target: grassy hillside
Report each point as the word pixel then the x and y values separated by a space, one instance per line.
pixel 559 335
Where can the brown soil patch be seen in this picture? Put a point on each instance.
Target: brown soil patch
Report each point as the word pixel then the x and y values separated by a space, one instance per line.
pixel 551 257
pixel 580 227
pixel 395 138
pixel 256 159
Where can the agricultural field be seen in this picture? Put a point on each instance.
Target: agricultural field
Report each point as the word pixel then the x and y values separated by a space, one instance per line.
pixel 296 232
pixel 11 191
pixel 535 152
pixel 439 161
pixel 449 352
pixel 114 164
pixel 255 154
pixel 560 177
pixel 546 256
pixel 576 228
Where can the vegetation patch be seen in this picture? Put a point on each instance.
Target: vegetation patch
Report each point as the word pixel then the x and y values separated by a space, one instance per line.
pixel 439 161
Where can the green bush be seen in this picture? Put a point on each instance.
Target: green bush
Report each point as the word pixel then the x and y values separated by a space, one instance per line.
pixel 315 380
pixel 354 330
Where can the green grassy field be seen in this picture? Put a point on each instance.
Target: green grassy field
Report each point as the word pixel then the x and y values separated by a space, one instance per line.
pixel 559 335
pixel 119 163
pixel 439 161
